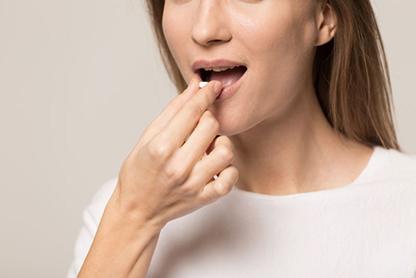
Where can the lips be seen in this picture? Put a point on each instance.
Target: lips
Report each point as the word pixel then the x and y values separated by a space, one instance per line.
pixel 227 77
pixel 218 63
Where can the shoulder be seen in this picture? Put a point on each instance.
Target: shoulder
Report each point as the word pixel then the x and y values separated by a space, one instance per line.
pixel 400 165
pixel 395 177
pixel 392 173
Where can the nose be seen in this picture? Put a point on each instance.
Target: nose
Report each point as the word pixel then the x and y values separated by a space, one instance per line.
pixel 210 25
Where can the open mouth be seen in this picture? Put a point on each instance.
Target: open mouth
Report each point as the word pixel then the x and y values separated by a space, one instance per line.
pixel 227 77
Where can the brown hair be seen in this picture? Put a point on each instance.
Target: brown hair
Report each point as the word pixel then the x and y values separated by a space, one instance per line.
pixel 351 73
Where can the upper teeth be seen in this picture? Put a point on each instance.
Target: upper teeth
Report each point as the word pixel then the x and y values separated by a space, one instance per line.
pixel 220 69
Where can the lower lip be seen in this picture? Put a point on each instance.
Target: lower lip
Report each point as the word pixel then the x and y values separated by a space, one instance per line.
pixel 230 90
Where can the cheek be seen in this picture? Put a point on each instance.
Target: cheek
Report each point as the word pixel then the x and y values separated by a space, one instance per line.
pixel 175 32
pixel 170 31
pixel 279 48
pixel 276 40
pixel 275 45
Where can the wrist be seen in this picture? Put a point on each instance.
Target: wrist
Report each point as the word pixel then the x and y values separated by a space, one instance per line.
pixel 120 215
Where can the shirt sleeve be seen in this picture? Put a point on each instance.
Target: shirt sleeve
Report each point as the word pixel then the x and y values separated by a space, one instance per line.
pixel 91 216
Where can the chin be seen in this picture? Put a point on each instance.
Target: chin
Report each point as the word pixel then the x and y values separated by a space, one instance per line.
pixel 231 124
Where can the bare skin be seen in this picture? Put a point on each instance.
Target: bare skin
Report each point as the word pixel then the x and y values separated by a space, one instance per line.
pixel 273 130
pixel 169 173
pixel 283 143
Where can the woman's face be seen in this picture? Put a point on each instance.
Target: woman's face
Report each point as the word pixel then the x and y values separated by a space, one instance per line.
pixel 276 39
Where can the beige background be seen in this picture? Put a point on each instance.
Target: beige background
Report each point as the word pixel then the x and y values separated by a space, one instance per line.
pixel 79 81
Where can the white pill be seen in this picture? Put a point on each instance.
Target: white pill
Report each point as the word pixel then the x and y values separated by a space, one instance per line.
pixel 202 84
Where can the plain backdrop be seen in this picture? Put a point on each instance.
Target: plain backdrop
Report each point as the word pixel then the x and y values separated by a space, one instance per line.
pixel 79 81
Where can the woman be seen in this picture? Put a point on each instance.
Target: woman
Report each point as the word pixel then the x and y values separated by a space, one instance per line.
pixel 285 165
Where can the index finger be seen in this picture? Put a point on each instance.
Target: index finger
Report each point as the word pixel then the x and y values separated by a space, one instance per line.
pixel 185 120
pixel 174 105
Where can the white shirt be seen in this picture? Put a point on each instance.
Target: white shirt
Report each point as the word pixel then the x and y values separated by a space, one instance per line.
pixel 364 229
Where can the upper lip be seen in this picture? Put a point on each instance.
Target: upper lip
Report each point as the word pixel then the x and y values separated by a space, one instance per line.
pixel 218 63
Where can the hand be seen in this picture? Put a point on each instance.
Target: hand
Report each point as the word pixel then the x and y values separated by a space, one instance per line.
pixel 170 172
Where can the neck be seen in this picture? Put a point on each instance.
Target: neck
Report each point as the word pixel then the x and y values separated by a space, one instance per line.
pixel 297 152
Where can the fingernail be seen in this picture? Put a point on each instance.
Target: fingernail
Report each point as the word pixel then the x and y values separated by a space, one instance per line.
pixel 195 83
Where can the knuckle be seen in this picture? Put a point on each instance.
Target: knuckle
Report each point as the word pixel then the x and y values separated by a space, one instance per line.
pixel 211 120
pixel 235 171
pixel 207 114
pixel 222 190
pixel 236 174
pixel 206 198
pixel 174 174
pixel 222 139
pixel 196 108
pixel 157 151
pixel 225 153
pixel 188 190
